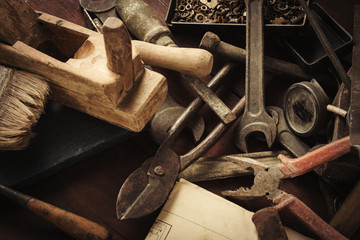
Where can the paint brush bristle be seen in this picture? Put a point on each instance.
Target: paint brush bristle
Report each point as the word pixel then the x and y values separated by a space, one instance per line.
pixel 22 99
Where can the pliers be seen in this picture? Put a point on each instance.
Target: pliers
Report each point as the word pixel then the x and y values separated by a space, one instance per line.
pixel 268 179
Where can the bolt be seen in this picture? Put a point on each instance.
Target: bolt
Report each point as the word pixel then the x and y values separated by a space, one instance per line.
pixel 158 170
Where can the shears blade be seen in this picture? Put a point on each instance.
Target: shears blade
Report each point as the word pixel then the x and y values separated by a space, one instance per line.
pixel 148 187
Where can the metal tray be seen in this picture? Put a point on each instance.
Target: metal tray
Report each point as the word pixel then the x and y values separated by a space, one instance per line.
pixel 201 28
pixel 306 47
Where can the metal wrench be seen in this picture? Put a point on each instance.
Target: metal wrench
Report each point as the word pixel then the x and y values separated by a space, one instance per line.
pixel 255 117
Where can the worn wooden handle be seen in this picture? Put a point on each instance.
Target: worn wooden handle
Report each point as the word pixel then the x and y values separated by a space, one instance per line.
pixel 18 22
pixel 74 225
pixel 193 61
pixel 118 50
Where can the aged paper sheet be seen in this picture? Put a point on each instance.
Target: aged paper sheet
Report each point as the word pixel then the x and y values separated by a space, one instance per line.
pixel 192 212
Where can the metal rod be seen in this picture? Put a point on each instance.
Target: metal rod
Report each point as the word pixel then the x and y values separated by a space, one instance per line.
pixel 192 108
pixel 336 110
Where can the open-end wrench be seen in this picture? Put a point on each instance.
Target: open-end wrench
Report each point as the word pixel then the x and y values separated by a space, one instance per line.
pixel 255 117
pixel 165 117
pixel 268 179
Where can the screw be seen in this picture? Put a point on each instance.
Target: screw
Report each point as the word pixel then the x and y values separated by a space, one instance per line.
pixel 158 170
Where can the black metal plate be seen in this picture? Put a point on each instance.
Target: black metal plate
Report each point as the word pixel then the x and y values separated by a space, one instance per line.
pixel 64 136
pixel 306 47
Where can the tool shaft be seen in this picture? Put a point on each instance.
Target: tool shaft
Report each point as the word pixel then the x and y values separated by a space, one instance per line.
pixel 192 108
pixel 74 225
pixel 213 44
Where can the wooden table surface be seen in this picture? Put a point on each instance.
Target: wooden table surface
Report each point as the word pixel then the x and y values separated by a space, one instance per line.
pixel 90 187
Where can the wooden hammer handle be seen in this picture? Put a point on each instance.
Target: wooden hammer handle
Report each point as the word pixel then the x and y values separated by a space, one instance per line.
pixel 193 61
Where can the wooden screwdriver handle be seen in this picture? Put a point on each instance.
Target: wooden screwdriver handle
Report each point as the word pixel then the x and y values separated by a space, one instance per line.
pixel 193 61
pixel 72 224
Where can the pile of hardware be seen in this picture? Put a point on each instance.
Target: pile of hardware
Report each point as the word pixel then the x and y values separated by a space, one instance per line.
pixel 234 11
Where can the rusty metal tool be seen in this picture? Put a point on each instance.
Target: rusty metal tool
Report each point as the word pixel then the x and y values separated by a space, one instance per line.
pixel 213 44
pixel 222 167
pixel 74 225
pixel 165 117
pixel 255 117
pixel 268 179
pixel 148 187
pixel 211 168
pixel 146 26
pixel 326 45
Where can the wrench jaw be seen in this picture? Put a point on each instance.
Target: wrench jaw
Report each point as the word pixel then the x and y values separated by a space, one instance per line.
pixel 262 123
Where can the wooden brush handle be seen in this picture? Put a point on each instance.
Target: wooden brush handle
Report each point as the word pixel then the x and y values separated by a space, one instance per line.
pixel 74 225
pixel 193 61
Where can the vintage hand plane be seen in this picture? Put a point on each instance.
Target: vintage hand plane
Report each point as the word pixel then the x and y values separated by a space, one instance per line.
pixel 99 75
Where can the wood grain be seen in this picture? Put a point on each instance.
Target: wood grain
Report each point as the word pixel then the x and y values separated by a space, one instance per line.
pixel 81 79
